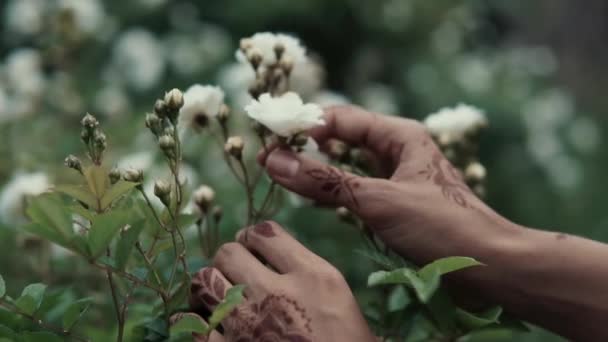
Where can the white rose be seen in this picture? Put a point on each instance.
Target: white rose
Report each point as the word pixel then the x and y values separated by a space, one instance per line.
pixel 200 102
pixel 455 122
pixel 285 115
pixel 265 42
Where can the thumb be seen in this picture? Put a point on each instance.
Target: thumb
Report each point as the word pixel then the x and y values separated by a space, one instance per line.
pixel 324 183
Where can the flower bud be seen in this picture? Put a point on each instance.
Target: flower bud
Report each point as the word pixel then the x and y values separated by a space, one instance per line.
pixel 203 196
pixel 475 172
pixel 344 215
pixel 445 139
pixel 217 213
pixel 160 108
pixel 337 150
pixel 254 56
pixel 100 140
pixel 279 49
pixel 257 88
pixel 162 190
pixel 234 146
pixel 73 162
pixel 299 140
pixel 174 99
pixel 166 143
pixel 245 44
pixel 223 114
pixel 133 175
pixel 287 65
pixel 85 136
pixel 89 122
pixel 169 130
pixel 115 175
pixel 154 123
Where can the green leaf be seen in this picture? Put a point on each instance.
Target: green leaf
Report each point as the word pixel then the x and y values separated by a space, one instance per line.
pixel 82 211
pixel 484 335
pixel 37 336
pixel 80 193
pixel 47 233
pixel 447 265
pixel 97 180
pixel 471 321
pixel 75 312
pixel 424 288
pixel 234 297
pixel 2 287
pixel 103 229
pixel 48 210
pixel 398 276
pixel 126 243
pixel 31 298
pixel 189 323
pixel 161 246
pixel 115 192
pixel 442 310
pixel 398 299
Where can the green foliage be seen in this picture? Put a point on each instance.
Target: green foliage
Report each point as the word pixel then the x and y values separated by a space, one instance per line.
pixel 234 297
pixel 30 298
pixel 75 312
pixel 103 229
pixel 127 241
pixel 190 324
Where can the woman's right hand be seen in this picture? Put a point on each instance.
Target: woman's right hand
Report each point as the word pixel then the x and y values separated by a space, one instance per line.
pixel 423 209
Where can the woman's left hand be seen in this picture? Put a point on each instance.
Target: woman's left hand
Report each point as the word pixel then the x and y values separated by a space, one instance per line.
pixel 297 297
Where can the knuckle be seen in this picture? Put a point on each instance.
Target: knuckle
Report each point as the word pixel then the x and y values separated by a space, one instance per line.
pixel 328 277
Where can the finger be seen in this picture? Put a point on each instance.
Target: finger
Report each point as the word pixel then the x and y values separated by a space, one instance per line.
pixel 207 289
pixel 242 267
pixel 276 246
pixel 326 184
pixel 385 135
pixel 214 336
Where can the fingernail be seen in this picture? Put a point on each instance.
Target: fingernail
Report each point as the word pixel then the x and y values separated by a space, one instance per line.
pixel 282 163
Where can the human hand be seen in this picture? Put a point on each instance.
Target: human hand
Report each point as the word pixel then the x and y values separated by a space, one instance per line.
pixel 301 299
pixel 423 210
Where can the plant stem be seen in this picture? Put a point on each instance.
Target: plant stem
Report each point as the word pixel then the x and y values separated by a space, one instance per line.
pixel 249 192
pixel 148 263
pixel 267 199
pixel 130 277
pixel 119 317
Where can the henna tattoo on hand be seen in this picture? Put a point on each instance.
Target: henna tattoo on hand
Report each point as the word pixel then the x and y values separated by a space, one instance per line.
pixel 208 287
pixel 336 182
pixel 448 179
pixel 276 318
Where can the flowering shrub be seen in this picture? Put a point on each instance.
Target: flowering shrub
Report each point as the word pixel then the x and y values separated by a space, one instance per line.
pixel 141 240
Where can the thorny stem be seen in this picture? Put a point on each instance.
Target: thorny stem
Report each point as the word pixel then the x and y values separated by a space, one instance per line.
pixel 41 323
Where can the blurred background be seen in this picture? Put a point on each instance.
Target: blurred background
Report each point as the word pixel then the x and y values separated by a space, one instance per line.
pixel 536 68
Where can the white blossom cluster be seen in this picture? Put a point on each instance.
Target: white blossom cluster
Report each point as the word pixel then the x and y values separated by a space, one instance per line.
pixel 456 122
pixel 14 194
